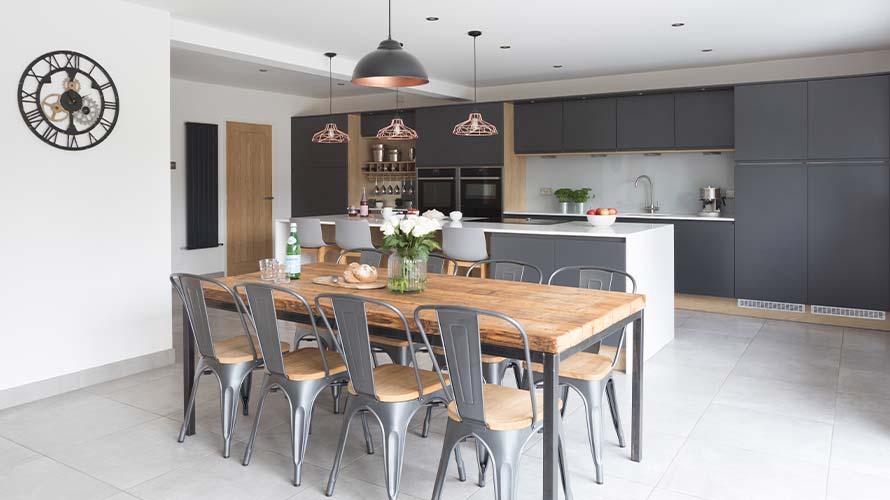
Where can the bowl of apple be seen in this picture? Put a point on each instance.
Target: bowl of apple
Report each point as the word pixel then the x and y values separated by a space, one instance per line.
pixel 602 217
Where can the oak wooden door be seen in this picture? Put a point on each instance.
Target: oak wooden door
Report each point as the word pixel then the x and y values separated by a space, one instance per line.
pixel 248 196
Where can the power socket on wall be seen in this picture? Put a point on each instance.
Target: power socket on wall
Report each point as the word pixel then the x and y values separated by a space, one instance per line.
pixel 545 191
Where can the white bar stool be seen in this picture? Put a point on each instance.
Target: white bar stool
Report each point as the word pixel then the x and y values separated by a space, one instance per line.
pixel 466 246
pixel 311 239
pixel 353 234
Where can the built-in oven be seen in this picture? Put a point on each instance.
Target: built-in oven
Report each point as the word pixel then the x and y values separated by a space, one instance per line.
pixel 480 192
pixel 437 189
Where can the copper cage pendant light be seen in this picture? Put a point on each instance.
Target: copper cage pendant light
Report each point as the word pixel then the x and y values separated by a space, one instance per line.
pixel 330 134
pixel 475 126
pixel 397 130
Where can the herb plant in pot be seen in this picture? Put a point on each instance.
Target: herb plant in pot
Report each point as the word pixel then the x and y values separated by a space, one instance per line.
pixel 409 242
pixel 564 196
pixel 580 197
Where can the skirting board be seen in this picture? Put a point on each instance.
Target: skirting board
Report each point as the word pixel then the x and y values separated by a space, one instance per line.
pixel 724 305
pixel 65 383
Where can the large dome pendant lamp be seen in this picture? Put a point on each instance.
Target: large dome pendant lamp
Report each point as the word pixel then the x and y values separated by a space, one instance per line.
pixel 475 126
pixel 330 134
pixel 397 130
pixel 390 65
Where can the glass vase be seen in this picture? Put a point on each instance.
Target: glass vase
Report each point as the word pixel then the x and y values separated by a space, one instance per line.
pixel 406 274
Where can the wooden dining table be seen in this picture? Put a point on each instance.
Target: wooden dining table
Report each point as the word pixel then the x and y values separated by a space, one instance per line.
pixel 558 320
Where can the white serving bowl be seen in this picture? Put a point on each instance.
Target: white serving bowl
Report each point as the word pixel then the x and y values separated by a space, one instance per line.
pixel 601 220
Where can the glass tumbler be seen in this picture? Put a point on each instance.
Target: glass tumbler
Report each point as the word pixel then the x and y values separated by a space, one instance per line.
pixel 267 269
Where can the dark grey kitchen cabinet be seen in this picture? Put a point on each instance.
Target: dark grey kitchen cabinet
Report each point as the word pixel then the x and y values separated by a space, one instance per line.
pixel 646 122
pixel 372 121
pixel 589 125
pixel 849 118
pixel 770 231
pixel 437 146
pixel 848 234
pixel 306 152
pixel 704 259
pixel 771 121
pixel 551 253
pixel 704 119
pixel 538 127
pixel 537 250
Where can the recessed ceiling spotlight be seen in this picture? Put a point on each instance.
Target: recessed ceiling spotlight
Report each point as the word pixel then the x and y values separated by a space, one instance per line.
pixel 707 50
pixel 505 47
pixel 263 70
pixel 678 25
pixel 432 19
pixel 557 66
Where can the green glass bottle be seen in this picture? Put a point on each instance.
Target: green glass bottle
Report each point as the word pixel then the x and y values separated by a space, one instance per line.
pixel 292 261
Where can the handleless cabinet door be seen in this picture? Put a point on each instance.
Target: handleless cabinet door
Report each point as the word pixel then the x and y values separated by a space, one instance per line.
pixel 771 121
pixel 437 146
pixel 589 125
pixel 373 121
pixel 704 119
pixel 770 231
pixel 848 234
pixel 849 117
pixel 538 127
pixel 306 152
pixel 703 257
pixel 646 122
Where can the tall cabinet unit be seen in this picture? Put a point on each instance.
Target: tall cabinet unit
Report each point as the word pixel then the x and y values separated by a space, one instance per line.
pixel 318 171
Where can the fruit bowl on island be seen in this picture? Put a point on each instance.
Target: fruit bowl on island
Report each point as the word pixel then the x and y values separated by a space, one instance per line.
pixel 602 217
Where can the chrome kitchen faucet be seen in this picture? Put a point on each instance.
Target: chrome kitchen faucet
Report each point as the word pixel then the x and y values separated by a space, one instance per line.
pixel 651 206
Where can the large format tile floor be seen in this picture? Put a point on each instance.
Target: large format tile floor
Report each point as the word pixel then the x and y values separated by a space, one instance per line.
pixel 735 408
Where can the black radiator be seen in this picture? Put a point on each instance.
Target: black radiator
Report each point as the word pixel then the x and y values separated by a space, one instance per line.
pixel 201 186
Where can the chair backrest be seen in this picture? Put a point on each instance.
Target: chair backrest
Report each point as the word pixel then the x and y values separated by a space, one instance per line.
pixel 510 270
pixel 369 256
pixel 309 230
pixel 459 330
pixel 190 288
pixel 440 264
pixel 353 338
pixel 466 244
pixel 596 278
pixel 264 318
pixel 353 234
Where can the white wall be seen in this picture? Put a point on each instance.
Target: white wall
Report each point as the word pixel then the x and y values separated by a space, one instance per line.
pixel 85 234
pixel 206 103
pixel 676 176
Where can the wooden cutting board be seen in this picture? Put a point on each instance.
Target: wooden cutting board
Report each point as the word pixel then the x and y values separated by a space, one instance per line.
pixel 328 280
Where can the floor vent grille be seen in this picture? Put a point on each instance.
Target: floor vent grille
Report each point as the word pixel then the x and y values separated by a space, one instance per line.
pixel 769 305
pixel 849 312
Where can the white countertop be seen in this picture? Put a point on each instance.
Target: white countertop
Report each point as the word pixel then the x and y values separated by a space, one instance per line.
pixel 630 214
pixel 570 228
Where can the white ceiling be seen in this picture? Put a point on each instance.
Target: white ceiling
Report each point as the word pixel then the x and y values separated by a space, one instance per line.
pixel 209 68
pixel 588 38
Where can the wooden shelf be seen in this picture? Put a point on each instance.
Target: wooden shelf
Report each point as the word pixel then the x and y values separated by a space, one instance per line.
pixel 409 162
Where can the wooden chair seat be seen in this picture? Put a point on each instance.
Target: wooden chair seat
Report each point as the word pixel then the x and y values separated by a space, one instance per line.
pixel 396 383
pixel 305 364
pixel 388 341
pixel 506 408
pixel 486 358
pixel 582 366
pixel 237 350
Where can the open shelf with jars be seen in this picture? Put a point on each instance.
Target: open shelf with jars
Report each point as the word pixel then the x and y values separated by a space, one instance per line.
pixel 387 171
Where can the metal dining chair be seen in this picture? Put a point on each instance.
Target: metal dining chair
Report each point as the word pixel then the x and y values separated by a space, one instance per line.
pixel 231 360
pixel 465 246
pixel 301 375
pixel 441 264
pixel 369 256
pixel 501 419
pixel 590 373
pixel 311 238
pixel 392 393
pixel 508 270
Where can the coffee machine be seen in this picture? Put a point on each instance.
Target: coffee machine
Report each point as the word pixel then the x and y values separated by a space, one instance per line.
pixel 712 199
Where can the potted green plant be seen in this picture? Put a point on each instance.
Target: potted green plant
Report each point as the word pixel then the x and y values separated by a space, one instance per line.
pixel 563 196
pixel 410 241
pixel 579 198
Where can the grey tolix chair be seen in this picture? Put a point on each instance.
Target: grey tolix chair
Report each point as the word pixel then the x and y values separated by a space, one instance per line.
pixel 301 375
pixel 231 360
pixel 508 270
pixel 590 373
pixel 366 255
pixel 501 419
pixel 392 393
pixel 440 264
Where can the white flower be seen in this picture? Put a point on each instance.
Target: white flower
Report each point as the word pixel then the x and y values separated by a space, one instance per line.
pixel 387 228
pixel 425 225
pixel 407 225
pixel 434 214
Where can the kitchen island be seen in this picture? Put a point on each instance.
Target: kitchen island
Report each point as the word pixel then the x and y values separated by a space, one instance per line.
pixel 645 251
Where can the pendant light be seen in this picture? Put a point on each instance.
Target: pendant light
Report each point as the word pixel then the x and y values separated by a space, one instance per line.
pixel 330 134
pixel 475 126
pixel 397 130
pixel 390 65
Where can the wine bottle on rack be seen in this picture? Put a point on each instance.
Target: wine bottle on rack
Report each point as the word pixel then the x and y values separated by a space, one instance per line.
pixel 363 205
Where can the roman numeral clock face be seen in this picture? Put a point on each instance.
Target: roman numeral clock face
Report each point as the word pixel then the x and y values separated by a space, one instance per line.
pixel 68 100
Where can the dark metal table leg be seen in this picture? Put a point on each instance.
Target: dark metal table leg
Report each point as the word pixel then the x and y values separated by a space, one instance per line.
pixel 551 435
pixel 636 429
pixel 188 369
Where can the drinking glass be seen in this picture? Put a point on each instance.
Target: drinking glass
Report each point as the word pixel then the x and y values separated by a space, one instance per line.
pixel 267 269
pixel 281 276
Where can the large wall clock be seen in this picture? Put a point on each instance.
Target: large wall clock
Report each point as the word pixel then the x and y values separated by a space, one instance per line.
pixel 68 100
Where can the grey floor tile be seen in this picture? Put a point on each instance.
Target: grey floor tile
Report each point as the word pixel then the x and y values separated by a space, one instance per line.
pixel 662 494
pixel 861 443
pixel 796 400
pixel 45 478
pixel 739 326
pixel 843 485
pixel 869 361
pixel 12 454
pixel 866 340
pixel 347 489
pixel 135 380
pixel 805 333
pixel 791 362
pixel 163 395
pixel 849 405
pixel 869 383
pixel 702 349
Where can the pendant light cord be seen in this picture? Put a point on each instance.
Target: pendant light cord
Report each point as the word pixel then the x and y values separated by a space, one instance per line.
pixel 474 72
pixel 330 87
pixel 389 23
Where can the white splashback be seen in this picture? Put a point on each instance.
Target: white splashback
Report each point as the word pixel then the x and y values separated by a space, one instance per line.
pixel 677 177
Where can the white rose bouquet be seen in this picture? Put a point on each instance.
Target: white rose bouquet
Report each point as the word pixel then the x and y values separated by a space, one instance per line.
pixel 412 237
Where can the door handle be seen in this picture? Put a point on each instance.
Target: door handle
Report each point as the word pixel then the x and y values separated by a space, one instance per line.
pixel 269 198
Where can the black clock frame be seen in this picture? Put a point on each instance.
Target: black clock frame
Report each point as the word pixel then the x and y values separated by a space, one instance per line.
pixel 42 80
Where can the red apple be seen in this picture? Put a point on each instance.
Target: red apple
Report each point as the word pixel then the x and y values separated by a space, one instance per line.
pixel 602 211
pixel 613 211
pixel 592 211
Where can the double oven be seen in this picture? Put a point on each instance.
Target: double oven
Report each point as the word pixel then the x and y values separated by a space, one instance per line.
pixel 475 191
